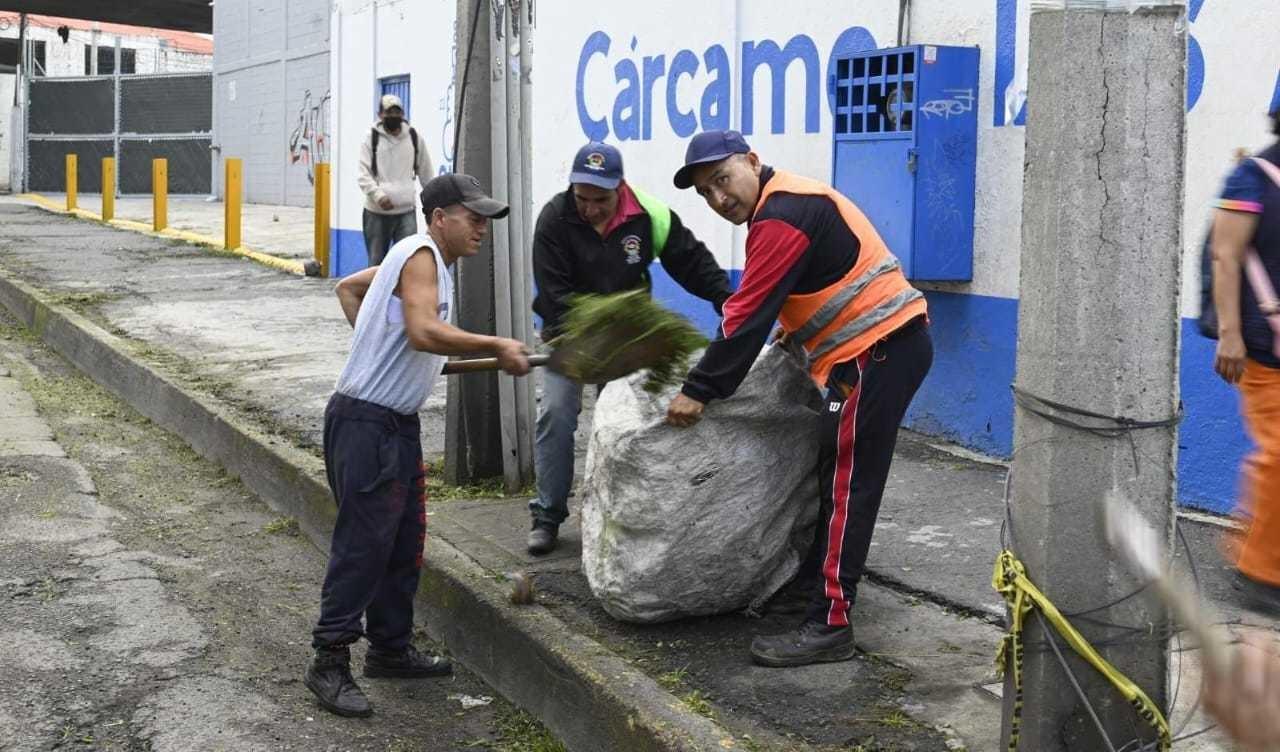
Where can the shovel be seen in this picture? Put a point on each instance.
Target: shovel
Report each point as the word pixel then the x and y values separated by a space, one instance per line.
pixel 608 337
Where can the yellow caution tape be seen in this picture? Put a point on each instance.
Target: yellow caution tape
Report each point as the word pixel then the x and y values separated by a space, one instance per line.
pixel 1010 579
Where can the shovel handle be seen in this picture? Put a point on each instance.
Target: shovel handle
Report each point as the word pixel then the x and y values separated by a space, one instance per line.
pixel 480 365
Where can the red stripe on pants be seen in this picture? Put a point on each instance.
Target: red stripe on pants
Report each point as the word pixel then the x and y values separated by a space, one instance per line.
pixel 838 613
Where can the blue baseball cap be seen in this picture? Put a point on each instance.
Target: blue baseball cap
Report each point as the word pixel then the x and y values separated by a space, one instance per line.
pixel 597 164
pixel 709 146
pixel 1275 99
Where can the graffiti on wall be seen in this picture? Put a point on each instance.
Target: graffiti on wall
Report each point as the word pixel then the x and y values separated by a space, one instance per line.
pixel 309 141
pixel 446 108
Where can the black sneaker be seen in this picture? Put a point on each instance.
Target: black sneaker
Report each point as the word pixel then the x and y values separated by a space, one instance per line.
pixel 542 538
pixel 329 678
pixel 407 664
pixel 811 643
pixel 1257 596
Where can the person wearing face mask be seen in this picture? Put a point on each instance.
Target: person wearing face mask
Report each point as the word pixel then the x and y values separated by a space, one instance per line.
pixel 390 158
pixel 599 236
pixel 815 264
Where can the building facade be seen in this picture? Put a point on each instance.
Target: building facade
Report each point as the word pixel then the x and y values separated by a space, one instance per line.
pixel 632 77
pixel 271 101
pixel 67 47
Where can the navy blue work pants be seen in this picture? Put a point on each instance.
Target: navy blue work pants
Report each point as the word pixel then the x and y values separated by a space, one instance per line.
pixel 373 457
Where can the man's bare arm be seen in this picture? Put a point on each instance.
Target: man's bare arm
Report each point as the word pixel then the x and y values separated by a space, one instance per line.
pixel 426 331
pixel 351 291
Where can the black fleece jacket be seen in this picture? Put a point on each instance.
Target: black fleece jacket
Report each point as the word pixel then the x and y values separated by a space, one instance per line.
pixel 570 257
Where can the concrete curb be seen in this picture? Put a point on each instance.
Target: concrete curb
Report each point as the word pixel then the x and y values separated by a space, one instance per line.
pixel 274 262
pixel 587 695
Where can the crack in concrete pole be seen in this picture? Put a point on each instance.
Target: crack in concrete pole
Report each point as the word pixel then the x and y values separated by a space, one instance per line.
pixel 1098 330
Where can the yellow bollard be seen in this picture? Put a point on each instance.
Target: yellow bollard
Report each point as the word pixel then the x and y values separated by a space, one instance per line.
pixel 231 200
pixel 71 182
pixel 159 194
pixel 108 188
pixel 322 218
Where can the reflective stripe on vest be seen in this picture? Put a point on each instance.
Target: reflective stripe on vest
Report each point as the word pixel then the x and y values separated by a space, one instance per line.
pixel 865 322
pixel 827 313
pixel 871 301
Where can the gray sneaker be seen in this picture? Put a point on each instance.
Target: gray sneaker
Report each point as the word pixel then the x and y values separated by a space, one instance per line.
pixel 542 538
pixel 811 643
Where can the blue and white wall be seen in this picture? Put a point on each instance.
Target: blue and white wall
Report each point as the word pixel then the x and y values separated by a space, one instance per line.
pixel 633 77
pixel 373 40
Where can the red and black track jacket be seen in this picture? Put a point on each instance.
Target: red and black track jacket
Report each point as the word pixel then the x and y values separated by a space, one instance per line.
pixel 797 244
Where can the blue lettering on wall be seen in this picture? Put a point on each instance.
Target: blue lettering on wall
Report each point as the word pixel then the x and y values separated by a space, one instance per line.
pixel 685 63
pixel 1006 62
pixel 850 41
pixel 626 108
pixel 596 129
pixel 1007 59
pixel 768 53
pixel 716 98
pixel 631 115
pixel 1195 59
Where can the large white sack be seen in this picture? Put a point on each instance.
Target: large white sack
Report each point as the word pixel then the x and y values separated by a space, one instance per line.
pixel 703 520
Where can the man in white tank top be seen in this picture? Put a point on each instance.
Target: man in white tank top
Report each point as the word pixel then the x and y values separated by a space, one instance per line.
pixel 401 311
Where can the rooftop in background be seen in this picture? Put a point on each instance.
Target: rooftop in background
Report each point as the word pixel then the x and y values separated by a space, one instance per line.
pixel 185 41
pixel 185 15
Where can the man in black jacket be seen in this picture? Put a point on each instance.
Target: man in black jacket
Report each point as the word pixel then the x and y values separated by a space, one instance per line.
pixel 599 236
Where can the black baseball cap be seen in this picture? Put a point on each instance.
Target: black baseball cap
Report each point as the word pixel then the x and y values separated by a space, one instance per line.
pixel 597 164
pixel 709 146
pixel 446 190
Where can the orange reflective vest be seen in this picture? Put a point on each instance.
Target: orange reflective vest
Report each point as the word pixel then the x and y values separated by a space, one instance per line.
pixel 843 320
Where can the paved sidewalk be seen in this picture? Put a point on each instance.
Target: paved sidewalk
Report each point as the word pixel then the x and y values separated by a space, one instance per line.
pixel 272 345
pixel 283 231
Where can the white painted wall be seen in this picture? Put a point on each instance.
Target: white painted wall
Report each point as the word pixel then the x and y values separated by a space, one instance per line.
pixel 374 40
pixel 1237 38
pixel 6 110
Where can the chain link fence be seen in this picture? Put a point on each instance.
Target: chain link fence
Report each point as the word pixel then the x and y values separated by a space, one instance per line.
pixel 134 118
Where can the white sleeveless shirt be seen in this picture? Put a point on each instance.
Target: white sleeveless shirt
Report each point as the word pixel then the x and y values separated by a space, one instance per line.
pixel 382 367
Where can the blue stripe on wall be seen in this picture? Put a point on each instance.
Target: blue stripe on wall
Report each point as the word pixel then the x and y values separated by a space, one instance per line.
pixel 1211 440
pixel 966 397
pixel 346 252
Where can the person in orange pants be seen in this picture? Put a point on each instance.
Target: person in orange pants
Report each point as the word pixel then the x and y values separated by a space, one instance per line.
pixel 1248 355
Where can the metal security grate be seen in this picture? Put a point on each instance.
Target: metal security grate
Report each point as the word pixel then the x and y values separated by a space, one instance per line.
pixel 876 95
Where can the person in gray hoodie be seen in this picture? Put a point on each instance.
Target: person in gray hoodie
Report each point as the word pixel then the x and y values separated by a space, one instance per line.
pixel 390 158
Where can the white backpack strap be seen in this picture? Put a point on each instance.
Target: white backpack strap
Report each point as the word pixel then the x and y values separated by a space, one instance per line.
pixel 1257 275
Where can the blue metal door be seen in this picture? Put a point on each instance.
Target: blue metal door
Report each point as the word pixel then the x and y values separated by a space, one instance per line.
pixel 398 85
pixel 875 141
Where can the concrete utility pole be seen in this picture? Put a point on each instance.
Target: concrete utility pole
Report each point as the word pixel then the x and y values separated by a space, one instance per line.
pixel 1098 330
pixel 473 444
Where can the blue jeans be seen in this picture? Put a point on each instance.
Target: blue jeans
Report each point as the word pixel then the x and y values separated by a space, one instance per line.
pixel 381 231
pixel 553 447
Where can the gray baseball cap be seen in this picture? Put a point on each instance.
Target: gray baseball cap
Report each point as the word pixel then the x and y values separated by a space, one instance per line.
pixel 446 190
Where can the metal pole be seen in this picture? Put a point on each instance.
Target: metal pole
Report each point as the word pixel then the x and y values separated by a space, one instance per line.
pixel 22 51
pixel 502 244
pixel 515 232
pixel 526 172
pixel 473 439
pixel 115 130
